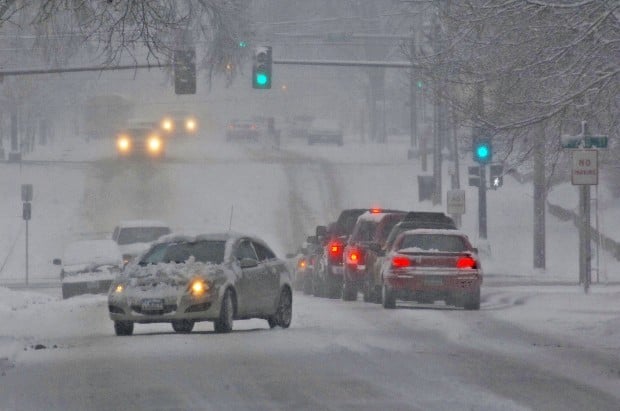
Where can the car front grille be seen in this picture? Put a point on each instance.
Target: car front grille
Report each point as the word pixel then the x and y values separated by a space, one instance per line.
pixel 167 310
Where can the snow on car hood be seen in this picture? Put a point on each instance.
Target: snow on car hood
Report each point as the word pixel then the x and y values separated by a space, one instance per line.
pixel 169 273
pixel 89 272
pixel 134 249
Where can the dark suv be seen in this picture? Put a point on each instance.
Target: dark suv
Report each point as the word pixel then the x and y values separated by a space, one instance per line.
pixel 411 221
pixel 362 249
pixel 328 267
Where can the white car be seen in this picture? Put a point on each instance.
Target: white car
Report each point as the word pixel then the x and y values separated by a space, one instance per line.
pixel 89 266
pixel 325 131
pixel 135 236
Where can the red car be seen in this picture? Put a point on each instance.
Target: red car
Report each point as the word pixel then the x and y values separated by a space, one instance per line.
pixel 427 265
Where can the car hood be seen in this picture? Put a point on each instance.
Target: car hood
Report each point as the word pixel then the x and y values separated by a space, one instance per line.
pixel 169 274
pixel 133 249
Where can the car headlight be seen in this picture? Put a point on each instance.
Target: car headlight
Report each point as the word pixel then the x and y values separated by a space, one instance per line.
pixel 190 125
pixel 198 287
pixel 119 288
pixel 154 144
pixel 123 144
pixel 167 125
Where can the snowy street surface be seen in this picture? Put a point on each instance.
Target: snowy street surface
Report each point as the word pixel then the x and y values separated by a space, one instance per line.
pixel 537 343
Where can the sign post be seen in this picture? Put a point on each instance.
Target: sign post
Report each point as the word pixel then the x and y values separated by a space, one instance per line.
pixel 26 214
pixel 584 173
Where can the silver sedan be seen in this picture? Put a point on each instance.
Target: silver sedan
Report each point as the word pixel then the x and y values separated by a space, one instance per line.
pixel 212 277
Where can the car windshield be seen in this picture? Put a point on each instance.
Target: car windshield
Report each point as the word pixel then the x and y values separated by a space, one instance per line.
pixel 434 242
pixel 210 251
pixel 131 235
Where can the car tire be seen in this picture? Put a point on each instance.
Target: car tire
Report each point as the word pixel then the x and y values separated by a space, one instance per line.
pixel 183 326
pixel 378 295
pixel 349 292
pixel 284 312
pixel 224 324
pixel 388 298
pixel 472 301
pixel 123 328
pixel 66 293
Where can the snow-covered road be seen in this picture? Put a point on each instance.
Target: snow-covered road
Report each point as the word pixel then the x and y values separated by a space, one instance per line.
pixel 533 347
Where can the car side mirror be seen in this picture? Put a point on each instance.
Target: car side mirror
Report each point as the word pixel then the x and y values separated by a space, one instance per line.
pixel 375 247
pixel 248 263
pixel 57 261
pixel 475 250
pixel 321 231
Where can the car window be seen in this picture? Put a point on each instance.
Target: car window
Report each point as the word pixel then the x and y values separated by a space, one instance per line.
pixel 263 252
pixel 364 231
pixel 432 242
pixel 202 251
pixel 131 235
pixel 388 223
pixel 245 250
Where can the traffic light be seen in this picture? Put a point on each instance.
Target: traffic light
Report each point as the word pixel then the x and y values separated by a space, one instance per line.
pixel 185 71
pixel 482 150
pixel 496 175
pixel 474 176
pixel 261 68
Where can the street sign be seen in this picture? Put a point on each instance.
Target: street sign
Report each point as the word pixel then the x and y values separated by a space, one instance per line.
pixel 456 202
pixel 26 192
pixel 581 141
pixel 585 167
pixel 26 211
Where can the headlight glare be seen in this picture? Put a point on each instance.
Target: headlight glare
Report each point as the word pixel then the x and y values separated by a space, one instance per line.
pixel 154 144
pixel 198 287
pixel 119 288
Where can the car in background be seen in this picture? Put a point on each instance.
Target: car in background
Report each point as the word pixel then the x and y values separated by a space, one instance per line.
pixel 140 142
pixel 133 237
pixel 88 267
pixel 297 126
pixel 179 123
pixel 328 258
pixel 325 131
pixel 211 277
pixel 426 265
pixel 243 131
pixel 304 265
pixel 362 250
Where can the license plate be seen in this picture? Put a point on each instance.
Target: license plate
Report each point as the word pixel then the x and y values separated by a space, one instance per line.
pixel 92 285
pixel 337 270
pixel 433 281
pixel 152 305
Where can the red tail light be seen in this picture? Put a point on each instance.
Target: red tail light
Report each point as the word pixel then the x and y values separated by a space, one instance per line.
pixel 466 263
pixel 399 261
pixel 354 256
pixel 335 249
pixel 375 210
pixel 302 263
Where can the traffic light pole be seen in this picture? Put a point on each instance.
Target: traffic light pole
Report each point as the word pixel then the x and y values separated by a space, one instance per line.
pixel 482 203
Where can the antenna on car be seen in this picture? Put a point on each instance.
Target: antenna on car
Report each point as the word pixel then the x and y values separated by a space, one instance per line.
pixel 232 207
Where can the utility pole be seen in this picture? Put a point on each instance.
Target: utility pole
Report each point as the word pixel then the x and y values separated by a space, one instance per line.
pixel 540 196
pixel 413 103
pixel 437 140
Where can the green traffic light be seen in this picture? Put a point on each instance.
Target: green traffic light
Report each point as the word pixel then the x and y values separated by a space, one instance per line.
pixel 420 84
pixel 261 79
pixel 482 152
pixel 242 44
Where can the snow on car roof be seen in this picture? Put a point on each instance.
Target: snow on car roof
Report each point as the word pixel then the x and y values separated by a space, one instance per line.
pixel 434 231
pixel 142 223
pixel 377 217
pixel 92 251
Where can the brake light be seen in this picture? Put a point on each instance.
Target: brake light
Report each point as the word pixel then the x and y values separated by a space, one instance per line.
pixel 466 263
pixel 354 256
pixel 375 210
pixel 399 261
pixel 302 263
pixel 335 249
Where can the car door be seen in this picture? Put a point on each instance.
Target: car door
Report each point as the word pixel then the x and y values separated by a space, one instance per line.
pixel 248 285
pixel 269 286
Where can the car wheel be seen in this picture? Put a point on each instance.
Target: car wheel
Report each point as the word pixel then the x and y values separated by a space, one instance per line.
pixel 472 300
pixel 183 326
pixel 378 295
pixel 284 313
pixel 349 292
pixel 368 293
pixel 224 324
pixel 65 292
pixel 388 298
pixel 123 327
